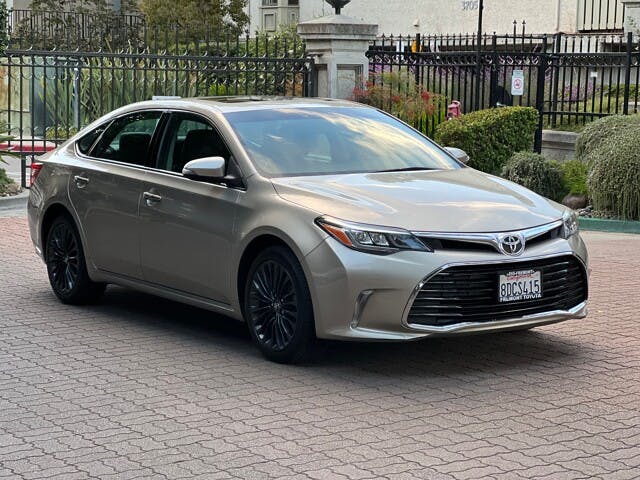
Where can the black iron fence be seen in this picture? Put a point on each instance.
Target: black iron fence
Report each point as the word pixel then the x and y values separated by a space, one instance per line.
pixel 67 30
pixel 112 32
pixel 570 79
pixel 51 94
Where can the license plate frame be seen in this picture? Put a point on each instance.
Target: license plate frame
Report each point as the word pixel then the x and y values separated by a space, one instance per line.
pixel 519 285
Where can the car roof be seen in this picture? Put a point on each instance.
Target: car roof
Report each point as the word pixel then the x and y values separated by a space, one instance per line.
pixel 243 103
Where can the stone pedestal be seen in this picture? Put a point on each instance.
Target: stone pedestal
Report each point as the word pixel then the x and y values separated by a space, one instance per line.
pixel 338 44
pixel 631 16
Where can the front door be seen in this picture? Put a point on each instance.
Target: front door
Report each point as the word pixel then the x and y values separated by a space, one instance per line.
pixel 105 189
pixel 186 225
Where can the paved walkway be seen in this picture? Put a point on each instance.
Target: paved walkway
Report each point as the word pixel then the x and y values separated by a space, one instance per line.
pixel 138 387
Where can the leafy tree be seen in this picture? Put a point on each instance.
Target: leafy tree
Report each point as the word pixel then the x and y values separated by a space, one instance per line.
pixel 199 17
pixel 3 26
pixel 97 7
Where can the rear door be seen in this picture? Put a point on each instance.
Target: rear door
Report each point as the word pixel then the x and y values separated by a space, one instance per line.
pixel 106 187
pixel 186 225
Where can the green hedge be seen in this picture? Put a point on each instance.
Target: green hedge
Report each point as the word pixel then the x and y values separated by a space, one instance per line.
pixel 575 177
pixel 534 172
pixel 614 176
pixel 491 137
pixel 597 132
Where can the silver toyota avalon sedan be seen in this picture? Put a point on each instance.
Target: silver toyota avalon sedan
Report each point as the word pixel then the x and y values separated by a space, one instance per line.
pixel 305 218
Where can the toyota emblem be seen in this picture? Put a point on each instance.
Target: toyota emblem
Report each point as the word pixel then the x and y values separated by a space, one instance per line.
pixel 512 244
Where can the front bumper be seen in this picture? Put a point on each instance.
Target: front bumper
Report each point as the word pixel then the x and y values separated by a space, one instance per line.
pixel 359 296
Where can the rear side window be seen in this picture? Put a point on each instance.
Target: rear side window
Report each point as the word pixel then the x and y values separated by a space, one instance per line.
pixel 86 142
pixel 128 138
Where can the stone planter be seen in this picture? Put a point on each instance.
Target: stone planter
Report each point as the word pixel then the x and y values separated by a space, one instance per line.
pixel 559 145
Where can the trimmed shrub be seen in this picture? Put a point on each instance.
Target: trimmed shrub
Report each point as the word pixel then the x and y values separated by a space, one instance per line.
pixel 7 185
pixel 595 133
pixel 491 137
pixel 536 173
pixel 400 95
pixel 614 176
pixel 575 177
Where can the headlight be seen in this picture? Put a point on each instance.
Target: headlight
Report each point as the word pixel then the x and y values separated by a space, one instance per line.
pixel 369 238
pixel 569 224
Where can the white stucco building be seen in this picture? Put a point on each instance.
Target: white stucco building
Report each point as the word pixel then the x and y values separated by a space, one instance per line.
pixel 448 16
pixel 18 4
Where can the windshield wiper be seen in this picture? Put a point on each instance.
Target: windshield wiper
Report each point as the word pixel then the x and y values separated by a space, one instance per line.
pixel 406 169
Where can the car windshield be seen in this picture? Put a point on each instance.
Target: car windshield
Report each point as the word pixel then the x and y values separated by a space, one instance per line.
pixel 333 140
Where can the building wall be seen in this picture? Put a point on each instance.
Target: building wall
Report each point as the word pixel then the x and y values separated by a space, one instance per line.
pixel 18 4
pixel 448 16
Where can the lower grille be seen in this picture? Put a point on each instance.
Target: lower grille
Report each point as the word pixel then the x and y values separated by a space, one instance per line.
pixel 469 293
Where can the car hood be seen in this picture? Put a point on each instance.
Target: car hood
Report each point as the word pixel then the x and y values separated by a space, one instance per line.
pixel 461 200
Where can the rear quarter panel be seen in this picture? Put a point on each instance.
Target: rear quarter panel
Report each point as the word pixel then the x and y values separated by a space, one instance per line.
pixel 51 188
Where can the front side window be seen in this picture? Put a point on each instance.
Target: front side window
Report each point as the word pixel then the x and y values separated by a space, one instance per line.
pixel 128 138
pixel 189 137
pixel 333 140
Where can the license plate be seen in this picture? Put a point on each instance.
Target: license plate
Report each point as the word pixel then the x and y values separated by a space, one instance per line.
pixel 520 285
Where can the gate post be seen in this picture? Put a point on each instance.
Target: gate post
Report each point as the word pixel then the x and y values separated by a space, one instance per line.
pixel 555 75
pixel 338 44
pixel 627 74
pixel 631 16
pixel 542 70
pixel 493 81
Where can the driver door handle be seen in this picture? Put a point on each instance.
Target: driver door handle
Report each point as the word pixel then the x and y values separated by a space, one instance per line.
pixel 151 198
pixel 81 182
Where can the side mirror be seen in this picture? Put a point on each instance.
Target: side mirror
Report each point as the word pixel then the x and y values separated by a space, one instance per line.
pixel 458 154
pixel 203 169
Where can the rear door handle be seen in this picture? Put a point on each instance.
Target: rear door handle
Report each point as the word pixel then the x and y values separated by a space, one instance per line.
pixel 151 198
pixel 81 182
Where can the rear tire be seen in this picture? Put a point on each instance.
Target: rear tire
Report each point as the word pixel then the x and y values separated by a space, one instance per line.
pixel 66 265
pixel 277 307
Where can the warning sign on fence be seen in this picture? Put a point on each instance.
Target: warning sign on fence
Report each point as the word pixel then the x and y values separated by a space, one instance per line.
pixel 517 83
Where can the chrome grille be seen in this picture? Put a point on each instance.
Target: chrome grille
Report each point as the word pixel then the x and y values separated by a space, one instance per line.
pixel 469 293
pixel 487 242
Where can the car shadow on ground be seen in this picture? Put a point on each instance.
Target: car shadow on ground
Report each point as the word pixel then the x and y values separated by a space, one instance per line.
pixel 432 357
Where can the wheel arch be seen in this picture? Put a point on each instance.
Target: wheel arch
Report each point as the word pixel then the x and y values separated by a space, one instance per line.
pixel 52 212
pixel 251 251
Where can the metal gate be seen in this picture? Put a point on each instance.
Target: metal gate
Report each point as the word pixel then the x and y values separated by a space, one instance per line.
pixel 50 95
pixel 569 79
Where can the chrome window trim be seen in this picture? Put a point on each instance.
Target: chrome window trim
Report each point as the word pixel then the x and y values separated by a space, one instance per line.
pixel 466 326
pixel 492 239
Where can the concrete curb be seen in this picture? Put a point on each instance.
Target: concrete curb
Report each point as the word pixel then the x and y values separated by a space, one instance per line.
pixel 14 201
pixel 607 225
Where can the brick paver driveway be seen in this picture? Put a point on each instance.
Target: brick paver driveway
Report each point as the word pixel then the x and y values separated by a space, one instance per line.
pixel 142 387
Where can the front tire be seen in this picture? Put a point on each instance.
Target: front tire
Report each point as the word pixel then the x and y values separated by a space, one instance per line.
pixel 66 265
pixel 277 307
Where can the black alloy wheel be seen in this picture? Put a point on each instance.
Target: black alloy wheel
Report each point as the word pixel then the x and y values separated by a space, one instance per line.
pixel 66 265
pixel 62 258
pixel 277 307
